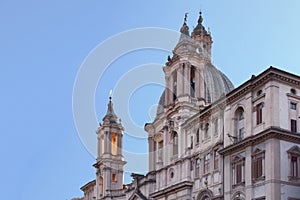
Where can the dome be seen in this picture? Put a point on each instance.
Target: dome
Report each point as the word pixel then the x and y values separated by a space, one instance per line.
pixel 216 85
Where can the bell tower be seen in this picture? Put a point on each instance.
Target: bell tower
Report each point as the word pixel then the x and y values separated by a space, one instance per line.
pixel 185 70
pixel 110 161
pixel 202 39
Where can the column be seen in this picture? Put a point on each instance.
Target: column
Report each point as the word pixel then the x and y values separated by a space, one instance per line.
pixel 188 165
pixel 97 183
pixel 272 158
pixel 197 84
pixel 165 147
pixel 106 141
pixel 248 172
pixel 167 91
pixel 180 81
pixel 187 74
pixel 119 144
pixel 151 154
pixel 99 146
pixel 201 84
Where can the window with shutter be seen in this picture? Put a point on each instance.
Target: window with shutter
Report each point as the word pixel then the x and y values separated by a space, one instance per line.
pixel 294 163
pixel 258 159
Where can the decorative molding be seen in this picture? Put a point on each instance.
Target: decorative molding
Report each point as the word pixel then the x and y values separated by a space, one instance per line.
pixel 272 132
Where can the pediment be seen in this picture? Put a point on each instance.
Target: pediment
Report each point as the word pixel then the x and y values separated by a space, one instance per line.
pixel 294 150
pixel 137 195
pixel 237 158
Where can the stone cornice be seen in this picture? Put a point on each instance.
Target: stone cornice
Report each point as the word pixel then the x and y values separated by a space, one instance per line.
pixel 272 132
pixel 256 81
pixel 173 188
pixel 109 160
pixel 88 185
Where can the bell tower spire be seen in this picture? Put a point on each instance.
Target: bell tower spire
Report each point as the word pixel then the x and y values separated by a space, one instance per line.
pixel 185 29
pixel 110 161
pixel 203 39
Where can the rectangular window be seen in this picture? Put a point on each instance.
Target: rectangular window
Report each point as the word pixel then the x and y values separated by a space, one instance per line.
pixel 294 166
pixel 206 163
pixel 238 171
pixel 257 167
pixel 192 165
pixel 259 113
pixel 197 136
pixel 293 106
pixel 160 151
pixel 114 144
pixel 216 160
pixel 197 172
pixel 293 125
pixel 114 177
pixel 192 139
pixel 239 168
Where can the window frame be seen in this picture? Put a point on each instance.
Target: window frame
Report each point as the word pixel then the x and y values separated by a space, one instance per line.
pixel 259 113
pixel 294 163
pixel 206 163
pixel 293 125
pixel 238 170
pixel 293 106
pixel 216 160
pixel 197 168
pixel 258 165
pixel 114 177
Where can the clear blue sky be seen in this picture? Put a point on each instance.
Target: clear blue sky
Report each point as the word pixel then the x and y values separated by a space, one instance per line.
pixel 43 44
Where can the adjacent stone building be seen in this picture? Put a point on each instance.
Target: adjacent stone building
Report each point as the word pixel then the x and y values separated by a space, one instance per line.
pixel 209 140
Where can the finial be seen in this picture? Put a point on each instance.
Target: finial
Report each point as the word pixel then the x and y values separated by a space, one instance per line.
pixel 185 17
pixel 185 29
pixel 200 20
pixel 110 95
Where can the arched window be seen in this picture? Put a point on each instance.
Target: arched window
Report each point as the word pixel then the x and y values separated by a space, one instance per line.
pixel 175 143
pixel 160 151
pixel 205 194
pixel 197 136
pixel 102 144
pixel 192 81
pixel 239 124
pixel 174 86
pixel 114 144
pixel 239 196
pixel 206 127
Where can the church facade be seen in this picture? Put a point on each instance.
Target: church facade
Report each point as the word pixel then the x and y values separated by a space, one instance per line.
pixel 209 140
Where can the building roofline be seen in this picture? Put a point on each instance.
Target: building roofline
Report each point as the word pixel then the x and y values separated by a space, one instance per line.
pixel 93 182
